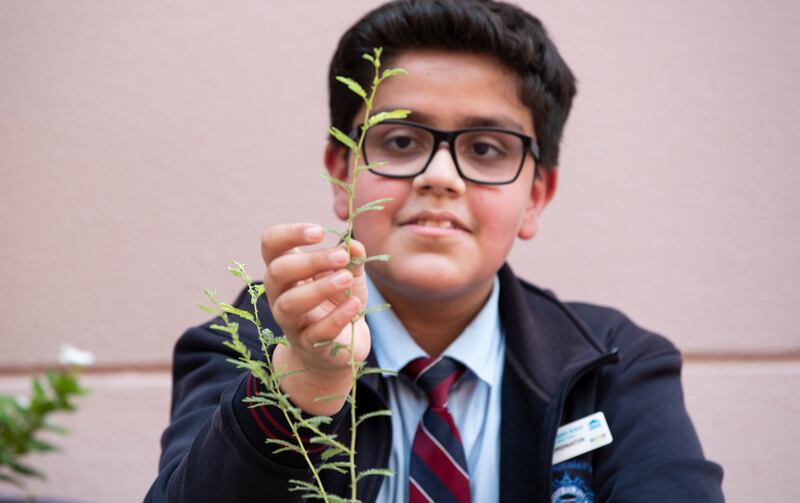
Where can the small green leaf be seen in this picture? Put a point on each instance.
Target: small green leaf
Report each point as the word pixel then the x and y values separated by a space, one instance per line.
pixel 209 310
pixel 368 57
pixel 302 485
pixel 281 375
pixel 221 328
pixel 330 441
pixel 316 421
pixel 372 165
pixel 341 183
pixel 376 309
pixel 284 445
pixel 258 401
pixel 337 466
pixel 383 472
pixel 343 138
pixel 377 413
pixel 391 72
pixel 363 260
pixel 353 86
pixel 338 347
pixel 336 232
pixel 256 291
pixel 376 205
pixel 374 370
pixel 331 452
pixel 26 470
pixel 236 311
pixel 328 398
pixel 382 116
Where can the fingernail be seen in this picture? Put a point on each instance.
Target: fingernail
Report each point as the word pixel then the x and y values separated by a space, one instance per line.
pixel 338 257
pixel 341 278
pixel 313 232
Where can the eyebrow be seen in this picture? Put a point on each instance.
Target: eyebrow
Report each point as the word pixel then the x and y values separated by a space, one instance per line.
pixel 466 121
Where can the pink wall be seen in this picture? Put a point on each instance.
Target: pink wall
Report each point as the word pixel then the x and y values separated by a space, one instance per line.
pixel 143 144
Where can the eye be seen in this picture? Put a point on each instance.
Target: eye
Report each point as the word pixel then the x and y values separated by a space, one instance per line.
pixel 484 148
pixel 398 142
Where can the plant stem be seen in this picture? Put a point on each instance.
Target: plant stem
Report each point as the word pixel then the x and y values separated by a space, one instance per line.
pixel 355 366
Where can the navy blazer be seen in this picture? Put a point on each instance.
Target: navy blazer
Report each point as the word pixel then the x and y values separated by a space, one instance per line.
pixel 563 362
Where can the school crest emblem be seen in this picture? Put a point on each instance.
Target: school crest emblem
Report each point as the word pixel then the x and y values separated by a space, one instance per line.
pixel 571 483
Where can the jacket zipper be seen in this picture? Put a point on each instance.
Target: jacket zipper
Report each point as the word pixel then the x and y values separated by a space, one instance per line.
pixel 554 419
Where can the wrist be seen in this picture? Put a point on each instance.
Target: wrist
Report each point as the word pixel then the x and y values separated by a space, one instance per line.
pixel 306 388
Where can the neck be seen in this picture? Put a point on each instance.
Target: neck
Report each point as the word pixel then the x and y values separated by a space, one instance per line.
pixel 434 323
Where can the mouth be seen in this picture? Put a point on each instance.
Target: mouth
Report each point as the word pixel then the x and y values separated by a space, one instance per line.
pixel 436 220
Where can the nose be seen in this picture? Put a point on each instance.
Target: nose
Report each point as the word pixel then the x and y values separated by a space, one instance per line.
pixel 441 176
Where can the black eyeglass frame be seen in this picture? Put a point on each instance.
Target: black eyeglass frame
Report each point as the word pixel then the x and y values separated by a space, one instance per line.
pixel 528 145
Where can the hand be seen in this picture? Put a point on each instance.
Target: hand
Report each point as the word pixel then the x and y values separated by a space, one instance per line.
pixel 307 295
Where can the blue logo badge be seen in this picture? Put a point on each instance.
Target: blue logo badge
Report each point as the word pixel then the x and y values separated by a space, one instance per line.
pixel 572 488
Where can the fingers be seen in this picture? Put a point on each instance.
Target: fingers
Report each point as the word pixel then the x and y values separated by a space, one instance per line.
pixel 292 268
pixel 281 239
pixel 292 306
pixel 334 323
pixel 313 295
pixel 357 251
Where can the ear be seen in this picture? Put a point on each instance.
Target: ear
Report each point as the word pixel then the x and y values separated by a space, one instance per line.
pixel 336 164
pixel 542 191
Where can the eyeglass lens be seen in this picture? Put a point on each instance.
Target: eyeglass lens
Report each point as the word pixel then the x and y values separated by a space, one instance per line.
pixel 483 156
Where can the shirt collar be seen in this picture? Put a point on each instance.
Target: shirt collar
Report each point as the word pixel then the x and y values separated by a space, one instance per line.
pixel 477 346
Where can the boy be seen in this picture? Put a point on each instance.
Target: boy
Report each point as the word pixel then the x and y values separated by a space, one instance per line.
pixel 489 96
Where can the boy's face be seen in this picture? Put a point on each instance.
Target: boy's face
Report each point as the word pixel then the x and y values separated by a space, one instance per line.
pixel 448 237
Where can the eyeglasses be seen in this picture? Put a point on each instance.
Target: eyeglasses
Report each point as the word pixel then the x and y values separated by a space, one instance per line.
pixel 484 155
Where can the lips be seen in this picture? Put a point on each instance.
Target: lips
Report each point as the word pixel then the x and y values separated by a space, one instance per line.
pixel 436 220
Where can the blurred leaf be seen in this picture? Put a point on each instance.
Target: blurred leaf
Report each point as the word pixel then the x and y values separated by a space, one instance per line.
pixel 392 72
pixel 343 138
pixel 377 308
pixel 353 86
pixel 382 116
pixel 237 312
pixel 210 310
pixel 383 472
pixel 26 470
pixel 369 415
pixel 340 183
pixel 373 205
pixel 337 466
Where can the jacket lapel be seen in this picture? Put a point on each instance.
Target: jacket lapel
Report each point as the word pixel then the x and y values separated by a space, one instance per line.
pixel 547 347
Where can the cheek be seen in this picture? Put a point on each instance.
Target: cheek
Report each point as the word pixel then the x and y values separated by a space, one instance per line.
pixel 500 213
pixel 371 225
pixel 371 187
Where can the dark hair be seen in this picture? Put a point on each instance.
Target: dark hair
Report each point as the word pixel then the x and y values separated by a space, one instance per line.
pixel 501 30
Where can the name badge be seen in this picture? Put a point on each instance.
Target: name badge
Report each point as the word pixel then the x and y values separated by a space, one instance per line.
pixel 584 435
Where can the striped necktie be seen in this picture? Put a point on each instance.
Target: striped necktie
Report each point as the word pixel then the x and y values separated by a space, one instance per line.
pixel 438 471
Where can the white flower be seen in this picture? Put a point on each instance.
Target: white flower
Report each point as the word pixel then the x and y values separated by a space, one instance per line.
pixel 23 401
pixel 70 355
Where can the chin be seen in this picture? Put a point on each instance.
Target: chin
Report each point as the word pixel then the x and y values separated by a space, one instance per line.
pixel 425 277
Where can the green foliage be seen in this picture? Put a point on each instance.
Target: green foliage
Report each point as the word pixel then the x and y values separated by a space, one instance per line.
pixel 22 420
pixel 336 455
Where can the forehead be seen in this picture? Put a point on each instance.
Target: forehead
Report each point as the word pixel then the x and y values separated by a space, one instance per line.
pixel 451 90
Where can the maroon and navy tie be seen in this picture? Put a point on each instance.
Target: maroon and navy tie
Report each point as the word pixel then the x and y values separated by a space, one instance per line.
pixel 438 471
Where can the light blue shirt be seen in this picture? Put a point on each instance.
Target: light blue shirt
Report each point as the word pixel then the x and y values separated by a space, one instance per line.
pixel 474 402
